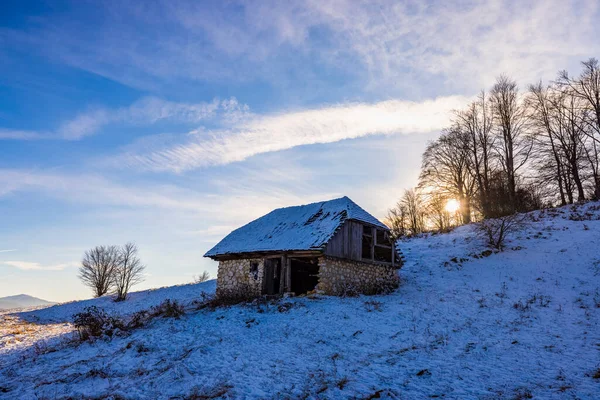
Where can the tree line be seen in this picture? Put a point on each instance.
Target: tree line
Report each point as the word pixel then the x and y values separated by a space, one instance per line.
pixel 509 151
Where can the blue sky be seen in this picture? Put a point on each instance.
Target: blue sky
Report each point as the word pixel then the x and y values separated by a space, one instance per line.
pixel 172 123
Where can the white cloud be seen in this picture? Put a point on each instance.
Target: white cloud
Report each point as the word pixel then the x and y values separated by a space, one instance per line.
pixel 7 250
pixel 257 134
pixel 465 44
pixel 15 134
pixel 386 45
pixel 234 203
pixel 146 111
pixel 34 266
pixel 85 124
pixel 95 189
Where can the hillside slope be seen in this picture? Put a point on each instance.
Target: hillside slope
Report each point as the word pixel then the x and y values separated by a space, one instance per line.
pixel 519 324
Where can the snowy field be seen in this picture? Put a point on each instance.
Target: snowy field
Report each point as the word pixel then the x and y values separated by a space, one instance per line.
pixel 520 324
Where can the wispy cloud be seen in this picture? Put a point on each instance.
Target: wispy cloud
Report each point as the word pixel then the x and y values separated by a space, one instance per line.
pixel 388 45
pixel 146 111
pixel 15 134
pixel 34 266
pixel 257 134
pixel 235 203
pixel 7 250
pixel 465 44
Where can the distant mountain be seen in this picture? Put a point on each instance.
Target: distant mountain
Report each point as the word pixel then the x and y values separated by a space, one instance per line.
pixel 22 301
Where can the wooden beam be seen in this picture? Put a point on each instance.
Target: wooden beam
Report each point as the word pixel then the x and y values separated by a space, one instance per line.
pixel 282 275
pixel 373 239
pixel 288 274
pixel 276 254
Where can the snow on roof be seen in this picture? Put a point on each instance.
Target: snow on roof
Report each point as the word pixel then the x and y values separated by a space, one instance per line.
pixel 307 227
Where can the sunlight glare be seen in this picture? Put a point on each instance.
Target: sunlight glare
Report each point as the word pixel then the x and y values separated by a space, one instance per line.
pixel 452 206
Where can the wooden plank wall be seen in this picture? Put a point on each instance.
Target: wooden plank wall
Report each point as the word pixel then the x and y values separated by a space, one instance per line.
pixel 338 245
pixel 355 241
pixel 347 242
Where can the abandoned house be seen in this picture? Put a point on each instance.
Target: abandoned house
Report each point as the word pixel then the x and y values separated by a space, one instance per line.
pixel 333 247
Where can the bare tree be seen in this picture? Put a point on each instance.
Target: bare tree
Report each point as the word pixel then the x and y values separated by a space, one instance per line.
pixel 586 88
pixel 98 268
pixel 203 277
pixel 396 220
pixel 412 203
pixel 436 211
pixel 572 138
pixel 545 122
pixel 477 123
pixel 446 169
pixel 128 272
pixel 559 116
pixel 510 119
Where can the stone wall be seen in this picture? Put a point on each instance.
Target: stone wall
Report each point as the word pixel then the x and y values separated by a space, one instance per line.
pixel 336 277
pixel 236 275
pixel 340 276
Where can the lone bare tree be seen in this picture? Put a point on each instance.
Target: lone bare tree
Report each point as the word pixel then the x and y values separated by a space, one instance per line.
pixel 128 272
pixel 98 268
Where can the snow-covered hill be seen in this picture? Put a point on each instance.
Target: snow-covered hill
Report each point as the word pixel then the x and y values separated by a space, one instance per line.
pixel 519 324
pixel 21 301
pixel 136 301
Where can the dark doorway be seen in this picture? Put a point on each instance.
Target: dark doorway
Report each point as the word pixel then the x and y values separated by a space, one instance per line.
pixel 272 276
pixel 305 275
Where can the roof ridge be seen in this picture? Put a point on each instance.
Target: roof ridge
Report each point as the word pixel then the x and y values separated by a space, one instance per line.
pixel 300 227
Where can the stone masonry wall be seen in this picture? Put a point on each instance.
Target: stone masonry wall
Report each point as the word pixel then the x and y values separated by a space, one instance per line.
pixel 336 276
pixel 234 275
pixel 341 276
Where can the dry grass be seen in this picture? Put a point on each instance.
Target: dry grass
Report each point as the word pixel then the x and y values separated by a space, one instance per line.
pixel 15 331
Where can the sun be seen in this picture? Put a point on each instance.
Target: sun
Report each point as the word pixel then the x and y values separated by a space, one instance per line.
pixel 452 206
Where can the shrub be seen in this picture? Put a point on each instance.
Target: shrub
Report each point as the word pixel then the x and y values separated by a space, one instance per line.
pixel 204 301
pixel 94 322
pixel 218 391
pixel 373 305
pixel 168 309
pixel 383 287
pixel 243 293
pixel 496 230
pixel 347 289
pixel 138 319
pixel 203 277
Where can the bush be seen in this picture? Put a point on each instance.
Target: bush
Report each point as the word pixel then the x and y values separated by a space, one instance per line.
pixel 168 309
pixel 496 230
pixel 373 305
pixel 204 301
pixel 138 319
pixel 94 322
pixel 203 277
pixel 347 289
pixel 241 294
